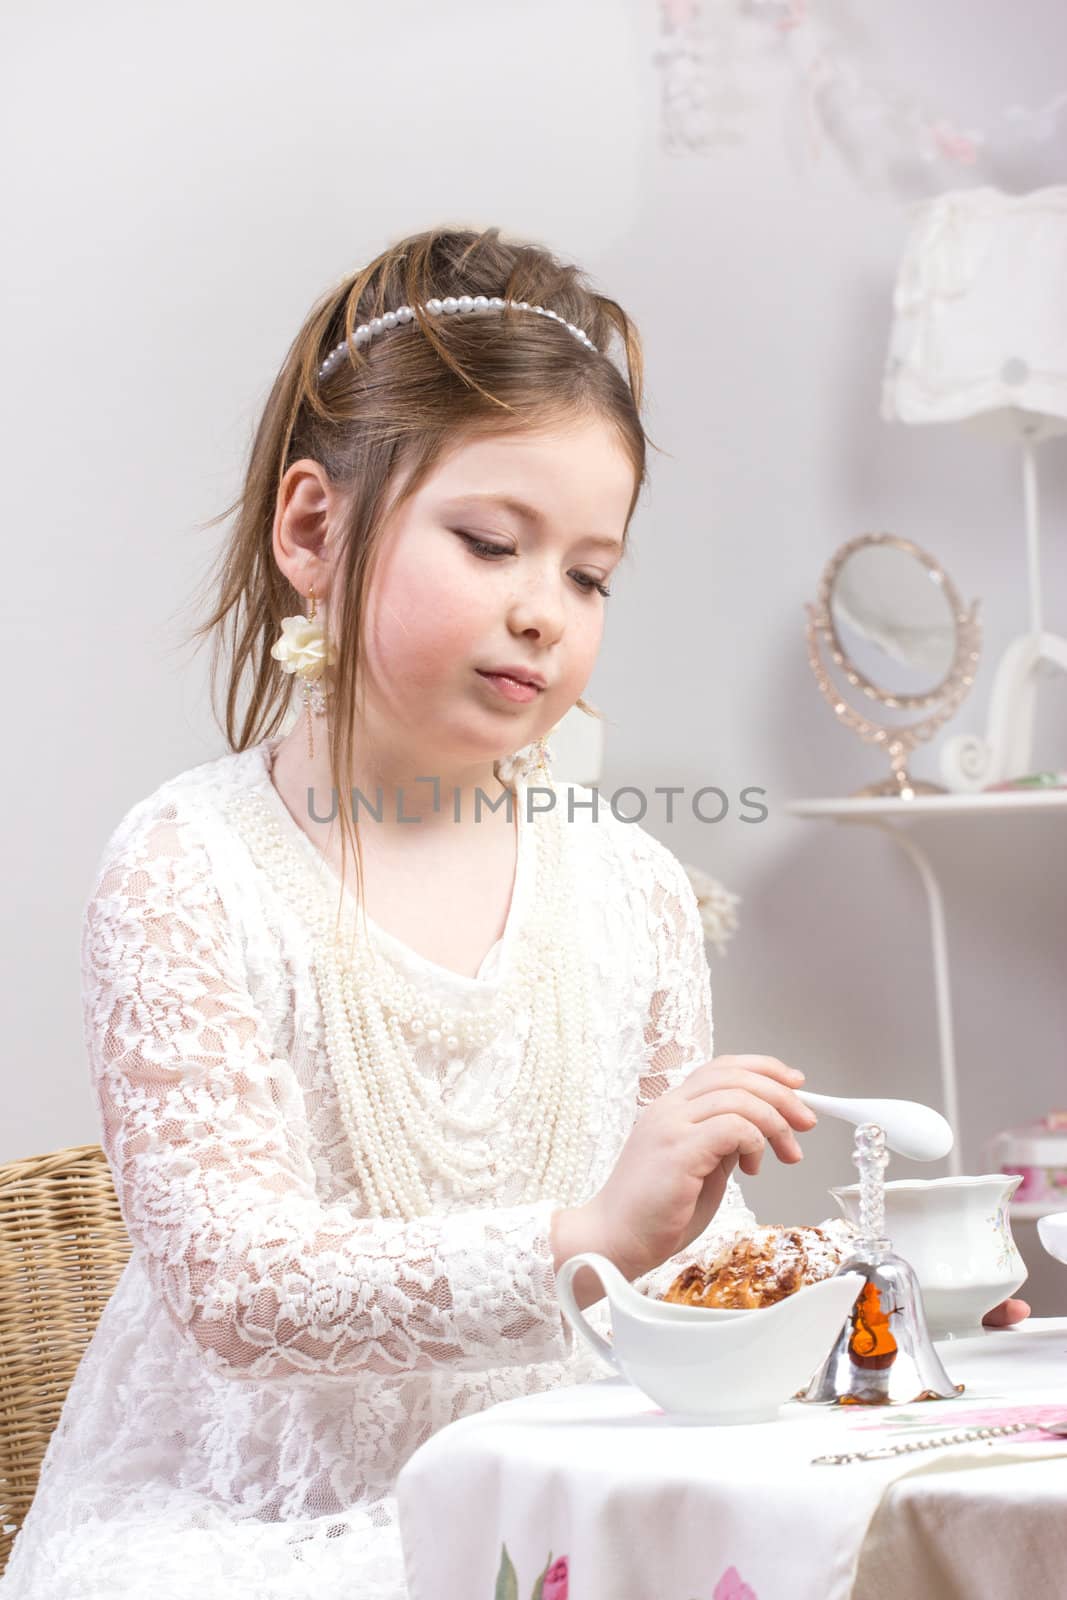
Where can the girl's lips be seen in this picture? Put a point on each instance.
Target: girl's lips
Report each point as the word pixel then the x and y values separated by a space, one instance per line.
pixel 511 688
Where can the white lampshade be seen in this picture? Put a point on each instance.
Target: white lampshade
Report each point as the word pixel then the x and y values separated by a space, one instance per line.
pixel 980 306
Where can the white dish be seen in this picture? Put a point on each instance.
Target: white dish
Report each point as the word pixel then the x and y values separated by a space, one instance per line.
pixel 720 1366
pixel 1052 1231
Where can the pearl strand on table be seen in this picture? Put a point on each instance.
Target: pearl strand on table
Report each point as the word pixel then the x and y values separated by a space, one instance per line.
pixel 390 1117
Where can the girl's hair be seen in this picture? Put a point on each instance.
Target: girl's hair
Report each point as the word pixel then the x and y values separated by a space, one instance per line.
pixel 397 404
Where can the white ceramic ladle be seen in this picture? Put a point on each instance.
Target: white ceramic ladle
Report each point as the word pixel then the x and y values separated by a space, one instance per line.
pixel 911 1129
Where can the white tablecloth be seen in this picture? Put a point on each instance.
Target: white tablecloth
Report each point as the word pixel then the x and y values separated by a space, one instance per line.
pixel 594 1492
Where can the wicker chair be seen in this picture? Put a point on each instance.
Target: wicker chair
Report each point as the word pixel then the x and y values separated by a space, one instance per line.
pixel 63 1246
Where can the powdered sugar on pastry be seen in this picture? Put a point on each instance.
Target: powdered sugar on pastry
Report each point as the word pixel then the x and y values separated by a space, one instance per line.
pixel 762 1266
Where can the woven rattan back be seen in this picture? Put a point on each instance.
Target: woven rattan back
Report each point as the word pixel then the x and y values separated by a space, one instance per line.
pixel 63 1245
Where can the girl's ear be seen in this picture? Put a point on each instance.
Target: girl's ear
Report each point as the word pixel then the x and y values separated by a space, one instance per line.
pixel 306 508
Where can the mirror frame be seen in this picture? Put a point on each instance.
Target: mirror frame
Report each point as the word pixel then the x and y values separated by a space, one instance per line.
pixel 960 618
pixel 942 701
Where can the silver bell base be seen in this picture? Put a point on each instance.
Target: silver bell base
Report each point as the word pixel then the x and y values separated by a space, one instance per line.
pixel 883 1355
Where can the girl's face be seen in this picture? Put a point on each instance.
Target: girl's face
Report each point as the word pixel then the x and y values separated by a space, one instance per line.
pixel 467 584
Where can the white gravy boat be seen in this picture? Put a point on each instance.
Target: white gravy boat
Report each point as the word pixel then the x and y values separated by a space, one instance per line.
pixel 721 1366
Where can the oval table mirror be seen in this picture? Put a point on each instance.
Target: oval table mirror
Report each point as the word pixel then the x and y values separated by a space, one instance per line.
pixel 896 627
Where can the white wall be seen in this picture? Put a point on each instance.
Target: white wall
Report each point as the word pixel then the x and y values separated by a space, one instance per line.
pixel 188 180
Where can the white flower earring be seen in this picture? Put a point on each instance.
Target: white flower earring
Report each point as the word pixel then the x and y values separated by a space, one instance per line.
pixel 524 763
pixel 304 649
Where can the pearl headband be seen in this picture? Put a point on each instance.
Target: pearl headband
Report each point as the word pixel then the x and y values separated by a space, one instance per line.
pixel 447 307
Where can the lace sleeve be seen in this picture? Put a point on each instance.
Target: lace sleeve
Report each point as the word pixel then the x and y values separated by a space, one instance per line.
pixel 267 1280
pixel 678 1037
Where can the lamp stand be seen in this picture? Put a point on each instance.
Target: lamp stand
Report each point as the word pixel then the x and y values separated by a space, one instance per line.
pixel 970 762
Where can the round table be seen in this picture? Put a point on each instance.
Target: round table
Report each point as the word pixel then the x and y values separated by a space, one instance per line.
pixel 592 1493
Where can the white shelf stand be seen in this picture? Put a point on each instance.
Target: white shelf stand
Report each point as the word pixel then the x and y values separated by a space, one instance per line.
pixel 887 814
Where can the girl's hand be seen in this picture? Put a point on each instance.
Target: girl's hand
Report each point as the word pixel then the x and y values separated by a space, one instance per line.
pixel 672 1171
pixel 1006 1314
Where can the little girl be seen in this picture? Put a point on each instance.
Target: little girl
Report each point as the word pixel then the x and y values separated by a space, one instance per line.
pixel 359 1111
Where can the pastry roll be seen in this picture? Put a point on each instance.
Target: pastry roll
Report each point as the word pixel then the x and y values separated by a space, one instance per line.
pixel 761 1267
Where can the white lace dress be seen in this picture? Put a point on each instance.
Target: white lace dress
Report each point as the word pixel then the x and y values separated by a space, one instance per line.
pixel 272 1355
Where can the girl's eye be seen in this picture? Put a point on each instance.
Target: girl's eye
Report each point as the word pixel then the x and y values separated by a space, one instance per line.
pixel 584 580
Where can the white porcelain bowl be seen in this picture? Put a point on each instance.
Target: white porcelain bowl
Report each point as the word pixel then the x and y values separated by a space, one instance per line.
pixel 1052 1231
pixel 956 1234
pixel 721 1366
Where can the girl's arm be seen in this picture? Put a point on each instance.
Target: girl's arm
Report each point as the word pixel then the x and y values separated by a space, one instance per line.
pixel 264 1278
pixel 678 1037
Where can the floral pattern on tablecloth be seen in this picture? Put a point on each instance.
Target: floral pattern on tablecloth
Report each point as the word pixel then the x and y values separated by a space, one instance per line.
pixel 553 1581
pixel 731 1586
pixel 551 1584
pixel 987 1417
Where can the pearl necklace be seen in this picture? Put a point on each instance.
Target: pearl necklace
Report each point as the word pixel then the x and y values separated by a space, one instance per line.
pixel 375 1019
